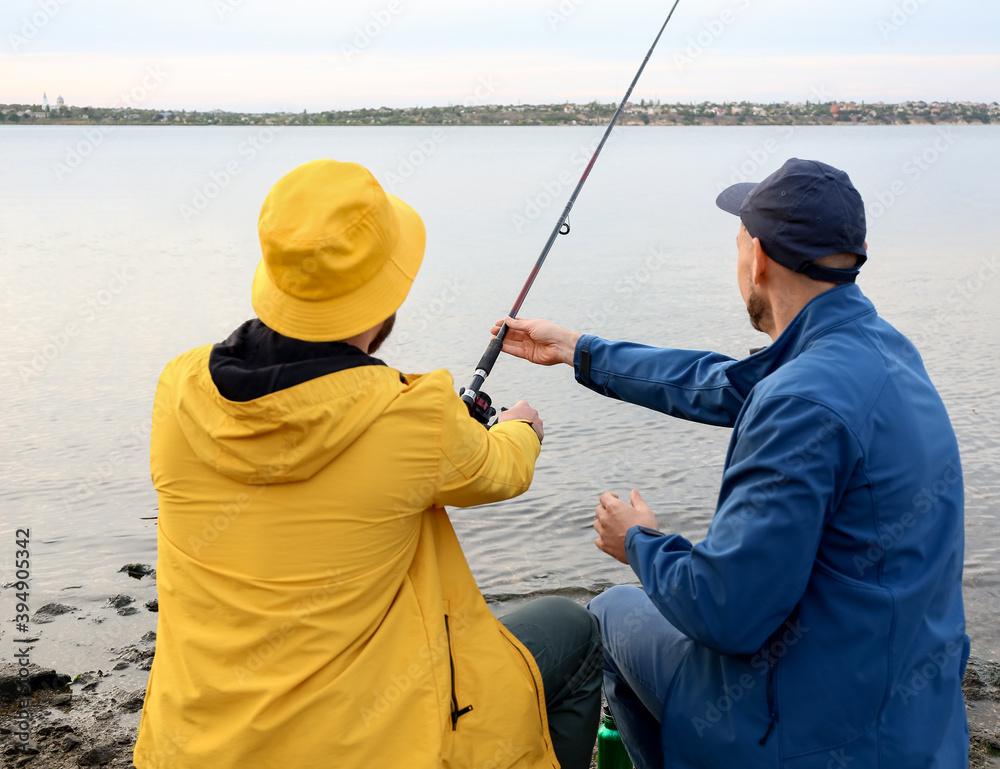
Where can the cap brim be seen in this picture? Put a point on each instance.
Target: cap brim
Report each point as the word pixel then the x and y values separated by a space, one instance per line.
pixel 731 199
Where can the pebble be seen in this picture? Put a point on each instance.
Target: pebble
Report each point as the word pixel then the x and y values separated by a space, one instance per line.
pixel 137 570
pixel 70 741
pixel 50 611
pixel 119 601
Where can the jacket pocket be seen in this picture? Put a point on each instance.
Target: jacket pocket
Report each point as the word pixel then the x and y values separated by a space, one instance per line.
pixel 456 711
pixel 832 682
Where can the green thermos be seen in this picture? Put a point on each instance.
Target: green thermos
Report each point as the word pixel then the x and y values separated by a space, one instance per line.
pixel 611 752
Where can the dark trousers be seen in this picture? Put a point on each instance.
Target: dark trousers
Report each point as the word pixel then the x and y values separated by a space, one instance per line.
pixel 565 641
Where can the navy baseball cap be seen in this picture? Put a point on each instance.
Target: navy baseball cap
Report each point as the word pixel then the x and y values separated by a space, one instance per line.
pixel 802 212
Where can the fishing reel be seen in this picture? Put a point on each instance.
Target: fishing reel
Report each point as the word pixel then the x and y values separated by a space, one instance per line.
pixel 480 407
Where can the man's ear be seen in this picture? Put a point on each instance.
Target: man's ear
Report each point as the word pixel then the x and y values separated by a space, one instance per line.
pixel 758 267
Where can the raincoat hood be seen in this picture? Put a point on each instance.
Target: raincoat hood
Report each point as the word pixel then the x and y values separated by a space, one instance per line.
pixel 264 411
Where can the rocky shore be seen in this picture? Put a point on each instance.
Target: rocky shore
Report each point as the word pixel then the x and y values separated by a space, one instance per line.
pixel 90 718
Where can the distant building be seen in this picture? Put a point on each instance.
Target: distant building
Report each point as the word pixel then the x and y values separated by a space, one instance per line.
pixel 45 102
pixel 60 104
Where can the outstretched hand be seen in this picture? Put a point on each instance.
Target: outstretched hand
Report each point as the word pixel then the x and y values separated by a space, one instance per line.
pixel 615 518
pixel 538 341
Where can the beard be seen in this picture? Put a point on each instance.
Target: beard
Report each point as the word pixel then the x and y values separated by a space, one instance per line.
pixel 383 334
pixel 758 311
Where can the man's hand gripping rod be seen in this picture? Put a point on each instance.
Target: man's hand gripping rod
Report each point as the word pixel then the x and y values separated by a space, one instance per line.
pixel 479 403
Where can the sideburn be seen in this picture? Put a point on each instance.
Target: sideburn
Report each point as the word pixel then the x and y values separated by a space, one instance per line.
pixel 383 334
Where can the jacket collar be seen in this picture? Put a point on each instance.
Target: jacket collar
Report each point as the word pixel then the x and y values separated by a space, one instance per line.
pixel 831 308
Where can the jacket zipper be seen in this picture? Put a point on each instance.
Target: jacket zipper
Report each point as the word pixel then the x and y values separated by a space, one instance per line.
pixel 456 713
pixel 772 705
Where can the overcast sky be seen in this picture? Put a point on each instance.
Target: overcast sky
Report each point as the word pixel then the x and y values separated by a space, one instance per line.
pixel 308 54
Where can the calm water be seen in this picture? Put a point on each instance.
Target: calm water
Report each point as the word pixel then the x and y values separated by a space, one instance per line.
pixel 143 240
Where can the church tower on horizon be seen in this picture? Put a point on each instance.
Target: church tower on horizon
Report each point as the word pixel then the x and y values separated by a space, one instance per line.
pixel 45 102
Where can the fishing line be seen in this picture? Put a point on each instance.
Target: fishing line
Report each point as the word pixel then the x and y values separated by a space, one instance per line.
pixel 478 402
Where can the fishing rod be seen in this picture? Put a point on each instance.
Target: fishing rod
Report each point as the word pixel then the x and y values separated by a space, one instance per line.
pixel 479 403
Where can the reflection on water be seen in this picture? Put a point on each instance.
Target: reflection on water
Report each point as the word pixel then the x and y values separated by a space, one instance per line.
pixel 105 279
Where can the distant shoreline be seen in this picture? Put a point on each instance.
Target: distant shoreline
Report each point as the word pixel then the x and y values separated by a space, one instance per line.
pixel 593 114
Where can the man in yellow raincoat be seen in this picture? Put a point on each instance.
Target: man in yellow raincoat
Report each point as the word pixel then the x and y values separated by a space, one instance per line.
pixel 316 609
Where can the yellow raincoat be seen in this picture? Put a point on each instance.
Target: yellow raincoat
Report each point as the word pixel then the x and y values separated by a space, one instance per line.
pixel 316 609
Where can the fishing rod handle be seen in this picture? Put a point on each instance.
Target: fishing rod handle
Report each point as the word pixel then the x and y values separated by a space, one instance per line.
pixel 492 352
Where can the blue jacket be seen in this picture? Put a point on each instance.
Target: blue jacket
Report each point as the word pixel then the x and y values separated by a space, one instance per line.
pixel 825 601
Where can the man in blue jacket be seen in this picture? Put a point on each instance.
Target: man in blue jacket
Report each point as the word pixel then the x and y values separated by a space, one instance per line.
pixel 819 624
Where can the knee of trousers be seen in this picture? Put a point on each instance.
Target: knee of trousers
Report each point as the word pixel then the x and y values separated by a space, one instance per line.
pixel 614 601
pixel 580 624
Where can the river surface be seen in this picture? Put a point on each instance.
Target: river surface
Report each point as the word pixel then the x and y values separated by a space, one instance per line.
pixel 121 249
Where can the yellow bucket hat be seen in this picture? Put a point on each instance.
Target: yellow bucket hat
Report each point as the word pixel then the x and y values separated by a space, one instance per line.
pixel 339 253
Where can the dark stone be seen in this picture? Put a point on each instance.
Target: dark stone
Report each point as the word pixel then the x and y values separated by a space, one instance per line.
pixel 137 570
pixel 982 702
pixel 99 756
pixel 120 665
pixel 982 680
pixel 119 601
pixel 133 702
pixel 38 678
pixel 70 741
pixel 153 605
pixel 50 611
pixel 128 611
pixel 149 636
pixel 54 729
pixel 62 699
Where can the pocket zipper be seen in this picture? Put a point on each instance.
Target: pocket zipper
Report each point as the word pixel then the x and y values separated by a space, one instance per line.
pixel 456 712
